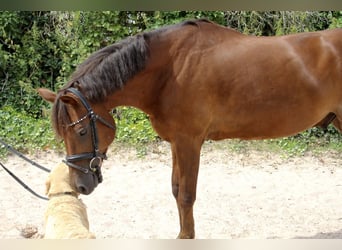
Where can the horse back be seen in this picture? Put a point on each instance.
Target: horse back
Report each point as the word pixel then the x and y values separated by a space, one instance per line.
pixel 253 87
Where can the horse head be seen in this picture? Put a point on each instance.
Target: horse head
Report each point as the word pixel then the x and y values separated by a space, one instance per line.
pixel 87 130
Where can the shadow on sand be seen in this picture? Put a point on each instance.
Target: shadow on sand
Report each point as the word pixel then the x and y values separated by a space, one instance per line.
pixel 328 235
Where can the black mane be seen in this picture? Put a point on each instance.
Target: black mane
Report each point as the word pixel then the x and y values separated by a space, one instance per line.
pixel 109 68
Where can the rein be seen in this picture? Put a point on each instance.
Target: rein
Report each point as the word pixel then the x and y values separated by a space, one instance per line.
pixel 8 147
pixel 96 157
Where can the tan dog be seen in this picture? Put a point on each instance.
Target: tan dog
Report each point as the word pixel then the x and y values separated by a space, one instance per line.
pixel 66 215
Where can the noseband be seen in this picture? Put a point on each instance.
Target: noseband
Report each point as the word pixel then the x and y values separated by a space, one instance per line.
pixel 96 157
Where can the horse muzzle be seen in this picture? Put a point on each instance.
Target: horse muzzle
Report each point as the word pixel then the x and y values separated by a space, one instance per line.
pixel 87 178
pixel 86 183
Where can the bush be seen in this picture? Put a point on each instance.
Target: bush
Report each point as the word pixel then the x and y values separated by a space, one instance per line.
pixel 336 19
pixel 133 126
pixel 25 133
pixel 30 58
pixel 313 138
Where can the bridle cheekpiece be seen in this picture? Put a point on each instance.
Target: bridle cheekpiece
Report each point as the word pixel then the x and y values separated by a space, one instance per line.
pixel 96 156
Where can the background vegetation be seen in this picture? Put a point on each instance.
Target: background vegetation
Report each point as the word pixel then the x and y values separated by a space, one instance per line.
pixel 42 48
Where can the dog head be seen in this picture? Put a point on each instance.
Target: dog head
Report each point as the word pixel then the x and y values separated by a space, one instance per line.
pixel 58 181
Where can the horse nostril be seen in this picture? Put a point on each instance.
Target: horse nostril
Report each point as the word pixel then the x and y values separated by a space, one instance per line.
pixel 85 185
pixel 82 189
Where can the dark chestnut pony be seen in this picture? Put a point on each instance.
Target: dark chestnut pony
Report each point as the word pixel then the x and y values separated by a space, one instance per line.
pixel 196 81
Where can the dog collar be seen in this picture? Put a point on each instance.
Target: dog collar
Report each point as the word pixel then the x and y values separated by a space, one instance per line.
pixel 72 193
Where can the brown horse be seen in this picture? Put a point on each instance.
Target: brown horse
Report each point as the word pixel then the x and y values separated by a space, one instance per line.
pixel 197 80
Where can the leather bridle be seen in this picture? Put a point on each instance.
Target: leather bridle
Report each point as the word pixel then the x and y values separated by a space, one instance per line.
pixel 96 157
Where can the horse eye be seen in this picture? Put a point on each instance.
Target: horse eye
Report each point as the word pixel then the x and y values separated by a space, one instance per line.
pixel 82 131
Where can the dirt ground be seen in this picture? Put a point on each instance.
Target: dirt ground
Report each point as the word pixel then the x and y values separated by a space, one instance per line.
pixel 240 195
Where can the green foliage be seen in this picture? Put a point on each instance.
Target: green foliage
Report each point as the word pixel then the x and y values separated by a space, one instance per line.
pixel 314 141
pixel 336 19
pixel 277 22
pixel 314 138
pixel 29 58
pixel 156 19
pixel 133 126
pixel 25 133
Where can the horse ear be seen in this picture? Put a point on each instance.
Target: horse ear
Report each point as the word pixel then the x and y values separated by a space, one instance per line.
pixel 50 96
pixel 47 95
pixel 68 98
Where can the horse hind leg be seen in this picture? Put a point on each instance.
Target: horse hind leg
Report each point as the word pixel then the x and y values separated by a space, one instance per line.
pixel 326 121
pixel 338 123
pixel 336 118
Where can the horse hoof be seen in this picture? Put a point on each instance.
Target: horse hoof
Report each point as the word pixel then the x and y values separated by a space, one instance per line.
pixel 185 236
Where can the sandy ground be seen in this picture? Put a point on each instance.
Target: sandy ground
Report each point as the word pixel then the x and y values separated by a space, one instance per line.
pixel 241 195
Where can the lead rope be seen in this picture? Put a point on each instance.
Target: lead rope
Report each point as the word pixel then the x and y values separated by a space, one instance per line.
pixel 22 183
pixel 8 147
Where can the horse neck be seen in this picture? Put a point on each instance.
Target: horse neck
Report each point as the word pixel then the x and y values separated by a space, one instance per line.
pixel 167 51
pixel 143 90
pixel 138 93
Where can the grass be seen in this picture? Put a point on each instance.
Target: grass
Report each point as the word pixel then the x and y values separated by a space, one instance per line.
pixel 288 147
pixel 314 141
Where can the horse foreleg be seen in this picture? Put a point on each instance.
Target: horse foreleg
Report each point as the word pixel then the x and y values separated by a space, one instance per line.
pixel 185 156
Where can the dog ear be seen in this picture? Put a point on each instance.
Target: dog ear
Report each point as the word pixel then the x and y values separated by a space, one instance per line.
pixel 47 185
